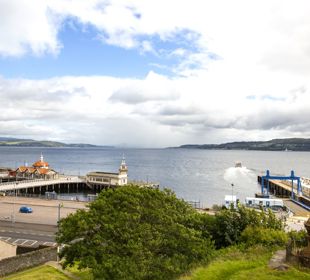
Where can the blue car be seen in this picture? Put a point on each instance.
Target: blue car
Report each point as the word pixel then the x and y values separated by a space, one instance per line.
pixel 25 209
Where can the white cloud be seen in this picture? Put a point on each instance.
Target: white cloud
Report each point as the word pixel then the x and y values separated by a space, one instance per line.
pixel 25 27
pixel 261 50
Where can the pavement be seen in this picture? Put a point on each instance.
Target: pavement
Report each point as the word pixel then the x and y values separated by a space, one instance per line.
pixel 296 223
pixel 277 261
pixel 33 229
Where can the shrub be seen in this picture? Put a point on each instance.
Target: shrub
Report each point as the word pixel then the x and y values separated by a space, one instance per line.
pixel 300 238
pixel 254 235
pixel 230 223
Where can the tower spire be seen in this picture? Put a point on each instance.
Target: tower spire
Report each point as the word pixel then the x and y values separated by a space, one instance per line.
pixel 123 167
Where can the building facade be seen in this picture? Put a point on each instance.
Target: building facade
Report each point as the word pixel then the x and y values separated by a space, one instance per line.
pixel 109 179
pixel 39 170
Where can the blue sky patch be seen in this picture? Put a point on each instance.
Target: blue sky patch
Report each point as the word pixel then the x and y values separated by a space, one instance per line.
pixel 84 54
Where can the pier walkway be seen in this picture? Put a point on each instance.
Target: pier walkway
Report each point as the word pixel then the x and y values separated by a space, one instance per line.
pixel 27 184
pixel 284 189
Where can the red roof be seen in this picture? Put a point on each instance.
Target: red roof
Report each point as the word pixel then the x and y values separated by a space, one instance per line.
pixel 40 164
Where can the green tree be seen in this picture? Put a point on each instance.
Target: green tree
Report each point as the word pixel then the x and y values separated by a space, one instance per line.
pixel 135 233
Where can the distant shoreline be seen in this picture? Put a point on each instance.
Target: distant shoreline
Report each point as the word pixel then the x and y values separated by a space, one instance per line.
pixel 286 145
pixel 15 142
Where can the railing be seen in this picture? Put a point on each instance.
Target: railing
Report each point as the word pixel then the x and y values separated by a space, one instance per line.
pixel 39 182
pixel 21 182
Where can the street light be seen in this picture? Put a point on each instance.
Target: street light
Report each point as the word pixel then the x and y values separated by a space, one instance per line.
pixel 14 200
pixel 232 194
pixel 59 206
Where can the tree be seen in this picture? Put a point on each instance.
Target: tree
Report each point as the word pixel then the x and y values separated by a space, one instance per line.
pixel 134 233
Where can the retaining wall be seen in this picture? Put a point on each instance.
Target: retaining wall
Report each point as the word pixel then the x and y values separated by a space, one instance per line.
pixel 28 260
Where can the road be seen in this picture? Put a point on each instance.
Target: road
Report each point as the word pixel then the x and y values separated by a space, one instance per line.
pixel 27 234
pixel 44 211
pixel 35 228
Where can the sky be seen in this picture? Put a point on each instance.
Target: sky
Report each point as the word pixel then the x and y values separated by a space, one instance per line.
pixel 154 73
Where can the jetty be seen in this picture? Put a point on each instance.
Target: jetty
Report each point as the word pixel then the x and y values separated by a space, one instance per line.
pixel 285 187
pixel 62 184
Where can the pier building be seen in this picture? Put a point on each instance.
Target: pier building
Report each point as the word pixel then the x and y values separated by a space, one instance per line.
pixel 40 179
pixel 39 170
pixel 101 180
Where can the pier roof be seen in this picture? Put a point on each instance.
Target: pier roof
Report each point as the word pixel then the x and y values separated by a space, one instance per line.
pixel 40 164
pixel 100 173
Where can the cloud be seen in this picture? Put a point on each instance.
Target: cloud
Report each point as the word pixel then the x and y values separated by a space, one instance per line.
pixel 26 27
pixel 153 88
pixel 240 70
pixel 91 109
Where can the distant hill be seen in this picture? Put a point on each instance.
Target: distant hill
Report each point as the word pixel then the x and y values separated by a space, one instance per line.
pixel 15 142
pixel 288 144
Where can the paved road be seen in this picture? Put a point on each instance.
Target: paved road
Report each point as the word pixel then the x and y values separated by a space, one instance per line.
pixel 44 211
pixel 35 228
pixel 27 234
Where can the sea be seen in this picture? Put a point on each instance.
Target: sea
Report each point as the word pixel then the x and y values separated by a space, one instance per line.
pixel 203 176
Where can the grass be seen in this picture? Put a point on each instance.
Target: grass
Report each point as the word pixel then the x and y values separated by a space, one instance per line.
pixel 234 264
pixel 83 274
pixel 43 272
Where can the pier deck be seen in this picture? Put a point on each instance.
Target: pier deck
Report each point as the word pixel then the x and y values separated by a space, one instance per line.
pixel 295 208
pixel 284 189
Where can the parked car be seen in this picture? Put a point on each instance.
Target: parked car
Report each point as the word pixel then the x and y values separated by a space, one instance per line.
pixel 25 209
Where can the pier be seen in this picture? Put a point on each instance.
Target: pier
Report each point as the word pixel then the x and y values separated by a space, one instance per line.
pixel 280 187
pixel 63 184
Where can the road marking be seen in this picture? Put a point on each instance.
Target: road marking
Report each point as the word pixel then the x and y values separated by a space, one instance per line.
pixel 24 242
pixel 48 243
pixel 5 238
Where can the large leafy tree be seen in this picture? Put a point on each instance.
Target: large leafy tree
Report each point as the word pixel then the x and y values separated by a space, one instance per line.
pixel 135 233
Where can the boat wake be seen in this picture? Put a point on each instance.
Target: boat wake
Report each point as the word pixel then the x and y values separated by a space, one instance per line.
pixel 240 176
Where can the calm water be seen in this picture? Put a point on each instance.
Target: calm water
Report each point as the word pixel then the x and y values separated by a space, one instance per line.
pixel 193 174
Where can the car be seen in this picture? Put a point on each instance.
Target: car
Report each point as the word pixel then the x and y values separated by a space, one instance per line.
pixel 25 209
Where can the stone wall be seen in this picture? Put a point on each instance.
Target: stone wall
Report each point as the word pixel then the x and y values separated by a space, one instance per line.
pixel 21 262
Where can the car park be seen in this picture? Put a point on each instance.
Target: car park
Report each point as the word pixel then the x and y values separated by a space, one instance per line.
pixel 25 209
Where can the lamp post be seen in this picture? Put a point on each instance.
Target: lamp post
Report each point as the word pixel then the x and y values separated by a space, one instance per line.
pixel 59 206
pixel 232 194
pixel 14 200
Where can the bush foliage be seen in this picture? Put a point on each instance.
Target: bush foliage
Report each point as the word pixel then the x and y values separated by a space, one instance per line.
pixel 254 235
pixel 230 223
